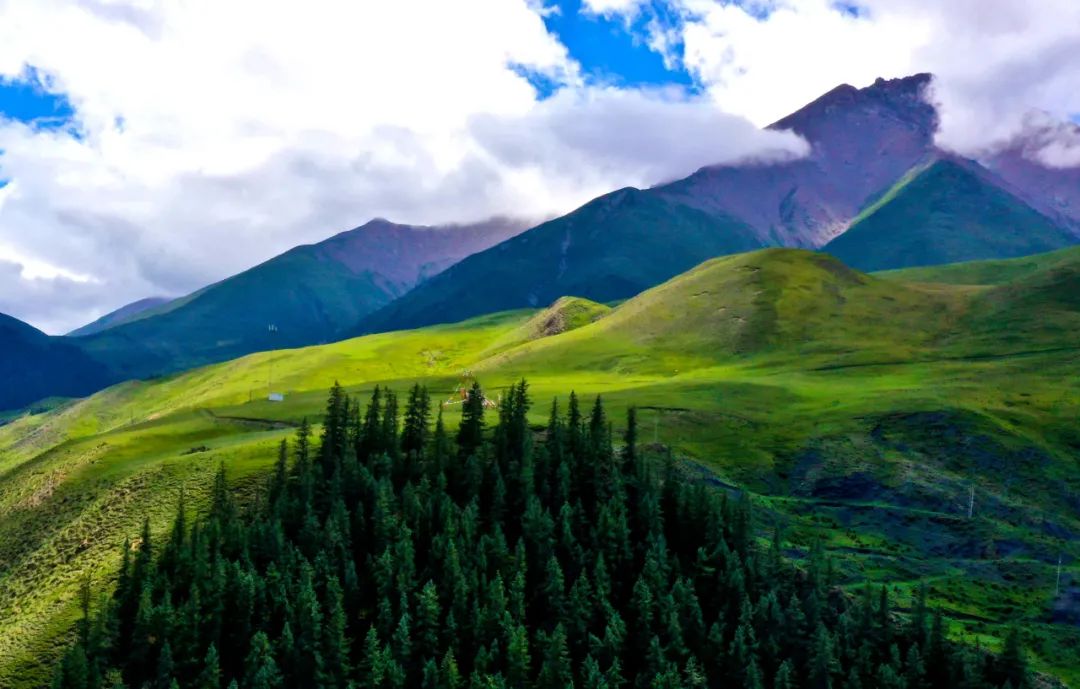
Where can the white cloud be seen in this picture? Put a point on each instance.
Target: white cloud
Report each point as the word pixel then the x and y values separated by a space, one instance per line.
pixel 994 60
pixel 610 7
pixel 638 137
pixel 212 135
pixel 766 67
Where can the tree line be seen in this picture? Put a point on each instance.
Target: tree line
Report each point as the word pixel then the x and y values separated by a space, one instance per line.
pixel 389 553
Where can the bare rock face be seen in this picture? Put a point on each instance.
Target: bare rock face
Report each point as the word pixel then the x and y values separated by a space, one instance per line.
pixel 405 255
pixel 862 141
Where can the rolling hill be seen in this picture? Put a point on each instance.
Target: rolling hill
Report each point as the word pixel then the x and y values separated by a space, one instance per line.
pixel 860 409
pixel 986 272
pixel 947 212
pixel 308 295
pixel 34 366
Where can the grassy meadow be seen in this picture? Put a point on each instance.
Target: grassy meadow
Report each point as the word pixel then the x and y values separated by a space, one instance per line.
pixel 864 410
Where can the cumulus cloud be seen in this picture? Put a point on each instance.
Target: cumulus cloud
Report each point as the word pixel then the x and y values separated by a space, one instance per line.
pixel 60 297
pixel 609 7
pixel 209 136
pixel 634 137
pixel 994 60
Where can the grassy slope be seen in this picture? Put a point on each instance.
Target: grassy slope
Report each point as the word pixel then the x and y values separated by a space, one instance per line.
pixel 985 272
pixel 947 212
pixel 855 407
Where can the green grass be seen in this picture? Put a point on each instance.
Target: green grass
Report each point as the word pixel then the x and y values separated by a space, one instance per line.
pixel 859 409
pixel 985 272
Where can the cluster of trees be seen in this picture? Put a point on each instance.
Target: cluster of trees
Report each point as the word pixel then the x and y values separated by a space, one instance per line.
pixel 390 554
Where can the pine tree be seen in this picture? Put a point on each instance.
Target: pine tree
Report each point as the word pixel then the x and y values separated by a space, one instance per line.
pixel 471 431
pixel 1013 665
pixel 164 672
pixel 260 669
pixel 210 675
pixel 414 433
pixel 427 565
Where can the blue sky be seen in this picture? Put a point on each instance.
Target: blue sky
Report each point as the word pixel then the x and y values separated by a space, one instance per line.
pixel 26 100
pixel 611 52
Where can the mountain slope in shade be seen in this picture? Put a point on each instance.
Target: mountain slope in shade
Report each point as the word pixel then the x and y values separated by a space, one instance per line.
pixel 309 294
pixel 34 366
pixel 611 248
pixel 950 211
pixel 120 316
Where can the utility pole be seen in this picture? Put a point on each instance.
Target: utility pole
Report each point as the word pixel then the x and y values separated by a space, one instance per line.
pixel 1057 585
pixel 971 502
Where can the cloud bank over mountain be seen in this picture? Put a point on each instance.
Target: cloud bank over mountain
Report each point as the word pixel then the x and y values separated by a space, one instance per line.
pixel 207 136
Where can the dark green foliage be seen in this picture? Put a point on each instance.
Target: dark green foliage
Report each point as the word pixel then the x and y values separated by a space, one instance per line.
pixel 949 212
pixel 34 366
pixel 385 560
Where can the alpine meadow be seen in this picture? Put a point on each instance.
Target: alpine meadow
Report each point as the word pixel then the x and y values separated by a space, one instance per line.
pixel 680 366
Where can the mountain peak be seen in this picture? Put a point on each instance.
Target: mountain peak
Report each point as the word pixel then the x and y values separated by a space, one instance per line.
pixel 903 97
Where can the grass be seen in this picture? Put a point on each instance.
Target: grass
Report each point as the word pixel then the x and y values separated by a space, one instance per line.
pixel 857 409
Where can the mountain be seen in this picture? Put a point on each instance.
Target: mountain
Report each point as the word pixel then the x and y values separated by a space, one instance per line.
pixel 120 316
pixel 611 248
pixel 946 212
pixel 309 294
pixel 861 140
pixel 1053 190
pixel 34 366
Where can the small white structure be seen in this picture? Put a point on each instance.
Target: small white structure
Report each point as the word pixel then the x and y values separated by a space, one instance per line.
pixel 276 397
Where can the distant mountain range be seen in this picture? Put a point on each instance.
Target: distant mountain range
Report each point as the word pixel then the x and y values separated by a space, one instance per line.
pixel 308 295
pixel 874 191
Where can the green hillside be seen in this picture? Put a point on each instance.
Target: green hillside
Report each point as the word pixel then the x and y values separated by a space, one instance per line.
pixel 311 294
pixel 611 248
pixel 306 299
pixel 945 213
pixel 985 272
pixel 863 410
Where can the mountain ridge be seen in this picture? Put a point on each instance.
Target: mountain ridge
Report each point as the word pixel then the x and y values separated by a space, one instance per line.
pixel 307 295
